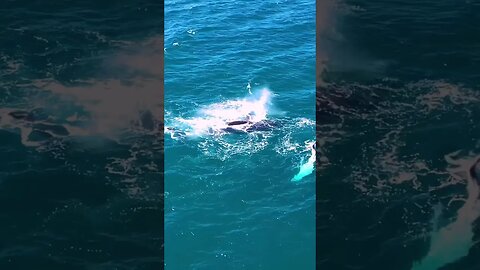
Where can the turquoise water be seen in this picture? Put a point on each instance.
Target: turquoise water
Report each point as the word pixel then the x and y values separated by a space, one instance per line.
pixel 230 202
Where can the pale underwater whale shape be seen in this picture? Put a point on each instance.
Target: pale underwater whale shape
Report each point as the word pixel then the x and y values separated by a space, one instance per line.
pixel 308 167
pixel 454 241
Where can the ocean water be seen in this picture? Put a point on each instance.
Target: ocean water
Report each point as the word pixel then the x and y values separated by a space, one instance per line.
pixel 81 135
pixel 81 147
pixel 397 126
pixel 239 196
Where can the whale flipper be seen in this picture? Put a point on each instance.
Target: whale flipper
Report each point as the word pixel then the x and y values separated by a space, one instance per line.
pixel 236 123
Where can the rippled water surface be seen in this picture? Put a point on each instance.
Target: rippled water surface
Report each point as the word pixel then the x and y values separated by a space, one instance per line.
pixel 397 121
pixel 81 152
pixel 233 200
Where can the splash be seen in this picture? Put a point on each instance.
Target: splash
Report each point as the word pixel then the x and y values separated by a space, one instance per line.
pixel 307 168
pixel 452 242
pixel 214 118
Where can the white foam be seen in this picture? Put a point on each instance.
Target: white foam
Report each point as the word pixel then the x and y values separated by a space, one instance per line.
pixel 213 118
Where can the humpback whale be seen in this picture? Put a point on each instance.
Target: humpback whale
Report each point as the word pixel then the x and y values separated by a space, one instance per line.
pixel 243 126
pixel 233 127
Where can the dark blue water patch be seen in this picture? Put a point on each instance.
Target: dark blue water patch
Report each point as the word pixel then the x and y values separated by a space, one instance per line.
pixel 380 131
pixel 72 219
pixel 411 40
pixel 66 40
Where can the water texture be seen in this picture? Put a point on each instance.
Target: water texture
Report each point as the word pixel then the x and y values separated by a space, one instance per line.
pixel 397 124
pixel 239 125
pixel 81 135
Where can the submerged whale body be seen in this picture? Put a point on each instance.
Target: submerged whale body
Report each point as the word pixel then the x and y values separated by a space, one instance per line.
pixel 248 126
pixel 262 126
pixel 233 127
pixel 234 130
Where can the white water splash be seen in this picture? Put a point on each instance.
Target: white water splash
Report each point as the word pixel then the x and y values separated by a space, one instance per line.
pixel 214 118
pixel 452 242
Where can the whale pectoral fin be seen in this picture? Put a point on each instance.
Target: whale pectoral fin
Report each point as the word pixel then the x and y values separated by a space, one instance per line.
pixel 235 123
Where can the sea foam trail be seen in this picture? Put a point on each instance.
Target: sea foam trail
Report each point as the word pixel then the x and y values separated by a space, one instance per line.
pixel 452 242
pixel 214 118
pixel 306 168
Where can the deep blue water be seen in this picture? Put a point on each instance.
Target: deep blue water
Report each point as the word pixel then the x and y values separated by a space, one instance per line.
pixel 80 153
pixel 230 202
pixel 397 122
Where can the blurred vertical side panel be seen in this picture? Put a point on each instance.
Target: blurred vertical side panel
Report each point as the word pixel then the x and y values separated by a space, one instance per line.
pixel 323 118
pixel 81 135
pixel 398 171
